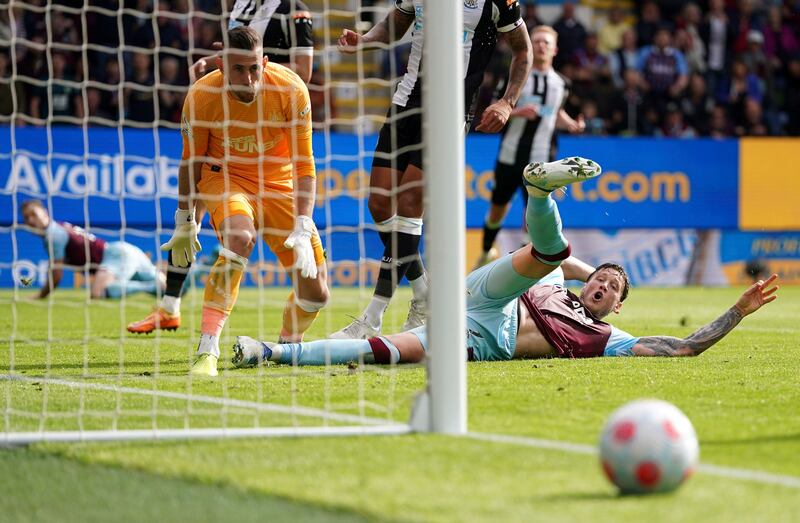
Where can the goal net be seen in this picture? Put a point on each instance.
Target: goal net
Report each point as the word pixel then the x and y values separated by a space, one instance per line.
pixel 90 126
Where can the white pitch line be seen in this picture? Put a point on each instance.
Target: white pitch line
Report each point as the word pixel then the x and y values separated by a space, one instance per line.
pixel 225 402
pixel 578 448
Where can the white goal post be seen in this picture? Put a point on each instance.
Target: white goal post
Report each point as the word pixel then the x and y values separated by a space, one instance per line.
pixel 93 381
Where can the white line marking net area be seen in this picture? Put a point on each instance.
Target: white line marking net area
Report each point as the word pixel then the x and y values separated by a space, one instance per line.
pixel 577 448
pixel 379 426
pixel 364 424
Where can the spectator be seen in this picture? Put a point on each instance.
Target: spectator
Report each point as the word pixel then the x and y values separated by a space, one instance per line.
pixel 719 125
pixel 62 99
pixel 109 98
pixel 610 32
pixel 697 104
pixel 170 92
pixel 591 65
pixel 695 62
pixel 695 48
pixel 718 35
pixel 663 68
pixel 792 102
pixel 753 123
pixel 754 56
pixel 94 102
pixel 595 125
pixel 780 42
pixel 744 21
pixel 743 85
pixel 649 23
pixel 624 58
pixel 139 100
pixel 627 108
pixel 571 34
pixel 8 88
pixel 530 16
pixel 673 125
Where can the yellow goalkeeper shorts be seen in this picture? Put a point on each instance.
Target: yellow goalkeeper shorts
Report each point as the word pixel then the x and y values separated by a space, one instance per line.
pixel 272 212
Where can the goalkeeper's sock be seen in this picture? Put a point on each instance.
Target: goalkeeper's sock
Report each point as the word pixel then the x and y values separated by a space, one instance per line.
pixel 117 289
pixel 544 229
pixel 401 249
pixel 490 232
pixel 176 276
pixel 298 315
pixel 222 289
pixel 321 352
pixel 209 344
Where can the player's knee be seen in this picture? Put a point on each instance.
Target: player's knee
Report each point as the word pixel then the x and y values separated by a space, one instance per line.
pixel 380 207
pixel 409 203
pixel 242 241
pixel 314 301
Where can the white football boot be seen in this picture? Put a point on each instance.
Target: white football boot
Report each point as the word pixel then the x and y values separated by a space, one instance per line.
pixel 417 314
pixel 542 178
pixel 249 352
pixel 359 329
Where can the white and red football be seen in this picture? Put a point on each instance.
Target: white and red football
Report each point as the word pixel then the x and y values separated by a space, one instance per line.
pixel 648 446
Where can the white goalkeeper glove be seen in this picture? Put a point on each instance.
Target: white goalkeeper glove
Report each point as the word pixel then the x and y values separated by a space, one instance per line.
pixel 300 242
pixel 184 243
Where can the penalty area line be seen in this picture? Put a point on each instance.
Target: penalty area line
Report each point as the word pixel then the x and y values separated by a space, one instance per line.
pixel 756 476
pixel 212 400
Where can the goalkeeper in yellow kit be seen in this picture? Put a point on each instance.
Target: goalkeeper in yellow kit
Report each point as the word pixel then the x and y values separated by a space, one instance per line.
pixel 247 150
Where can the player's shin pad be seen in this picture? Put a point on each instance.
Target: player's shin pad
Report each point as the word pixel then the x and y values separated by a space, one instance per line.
pixel 222 287
pixel 298 315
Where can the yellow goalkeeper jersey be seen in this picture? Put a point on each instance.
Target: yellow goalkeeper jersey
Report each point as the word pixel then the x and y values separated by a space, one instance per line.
pixel 261 141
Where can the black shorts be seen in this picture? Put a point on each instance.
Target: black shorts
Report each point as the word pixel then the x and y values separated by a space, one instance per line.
pixel 400 140
pixel 507 179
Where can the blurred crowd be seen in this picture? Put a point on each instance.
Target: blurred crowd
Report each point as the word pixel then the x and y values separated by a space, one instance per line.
pixel 670 68
pixel 679 68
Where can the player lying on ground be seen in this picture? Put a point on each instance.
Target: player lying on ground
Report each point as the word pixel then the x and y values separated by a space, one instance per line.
pixel 286 29
pixel 247 139
pixel 517 306
pixel 117 268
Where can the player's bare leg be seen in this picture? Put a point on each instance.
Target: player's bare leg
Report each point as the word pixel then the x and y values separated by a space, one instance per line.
pixel 238 235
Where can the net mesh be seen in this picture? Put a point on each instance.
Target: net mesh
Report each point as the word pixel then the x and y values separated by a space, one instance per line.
pixel 90 125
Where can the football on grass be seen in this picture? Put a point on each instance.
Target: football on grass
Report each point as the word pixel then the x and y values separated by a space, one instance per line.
pixel 648 446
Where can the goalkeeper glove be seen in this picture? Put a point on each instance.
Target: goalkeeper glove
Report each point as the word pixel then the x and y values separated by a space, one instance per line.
pixel 300 241
pixel 184 243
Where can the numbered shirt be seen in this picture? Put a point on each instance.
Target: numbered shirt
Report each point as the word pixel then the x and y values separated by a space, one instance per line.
pixel 525 141
pixel 283 24
pixel 260 140
pixel 571 329
pixel 483 19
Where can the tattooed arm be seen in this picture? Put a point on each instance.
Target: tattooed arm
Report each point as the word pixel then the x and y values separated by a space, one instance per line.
pixel 495 116
pixel 759 294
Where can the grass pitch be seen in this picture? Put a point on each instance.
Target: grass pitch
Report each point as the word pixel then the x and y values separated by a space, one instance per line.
pixel 742 396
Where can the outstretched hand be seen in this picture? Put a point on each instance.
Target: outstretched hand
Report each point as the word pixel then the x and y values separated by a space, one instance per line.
pixel 759 294
pixel 348 42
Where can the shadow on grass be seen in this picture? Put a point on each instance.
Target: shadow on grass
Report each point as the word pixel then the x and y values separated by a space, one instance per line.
pixel 47 487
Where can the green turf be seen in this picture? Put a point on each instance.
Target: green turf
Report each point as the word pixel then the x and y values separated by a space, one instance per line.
pixel 742 397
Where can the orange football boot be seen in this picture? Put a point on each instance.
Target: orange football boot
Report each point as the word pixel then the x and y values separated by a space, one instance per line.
pixel 158 319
